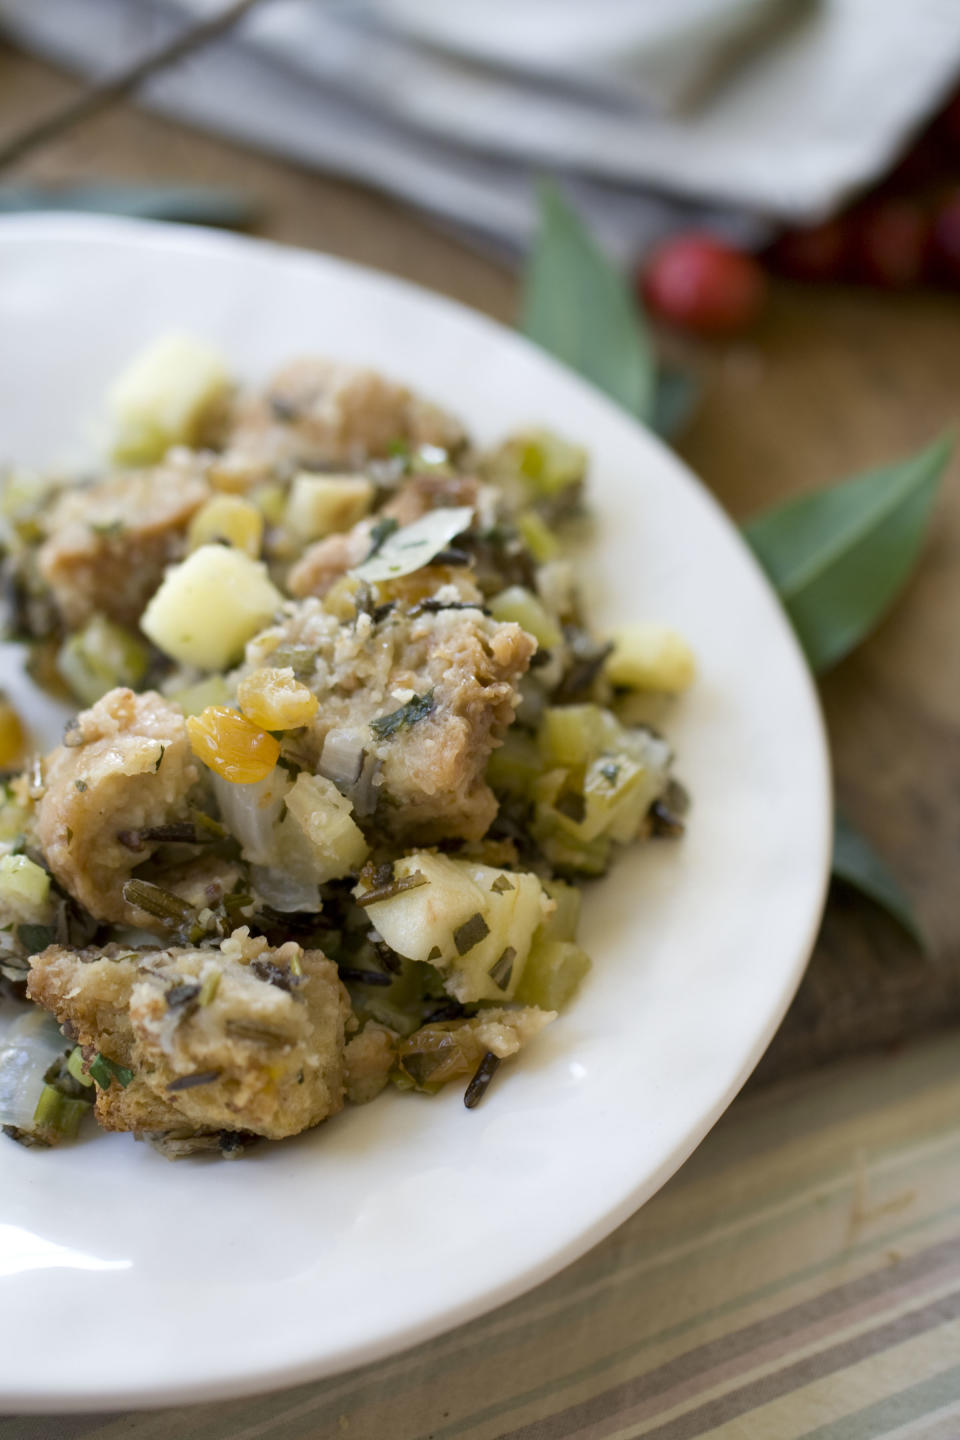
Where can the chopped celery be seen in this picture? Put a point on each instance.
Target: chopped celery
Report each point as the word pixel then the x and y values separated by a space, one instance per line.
pixel 565 920
pixel 540 539
pixel 540 463
pixel 56 1118
pixel 194 699
pixel 514 767
pixel 551 463
pixel 567 852
pixel 571 734
pixel 602 780
pixel 553 973
pixel 13 814
pixel 473 922
pixel 75 1067
pixel 519 605
pixel 100 657
pixel 24 890
pixel 399 1005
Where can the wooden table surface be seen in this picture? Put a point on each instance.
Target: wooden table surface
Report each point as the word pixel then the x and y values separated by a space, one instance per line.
pixel 833 380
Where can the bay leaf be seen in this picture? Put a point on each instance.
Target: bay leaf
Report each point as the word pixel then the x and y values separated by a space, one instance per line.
pixel 855 863
pixel 838 557
pixel 577 305
pixel 187 204
pixel 675 399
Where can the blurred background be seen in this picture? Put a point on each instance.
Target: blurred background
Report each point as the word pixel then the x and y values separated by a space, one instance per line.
pixel 740 118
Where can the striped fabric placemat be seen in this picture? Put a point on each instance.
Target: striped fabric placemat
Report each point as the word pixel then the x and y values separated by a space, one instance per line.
pixel 798 1280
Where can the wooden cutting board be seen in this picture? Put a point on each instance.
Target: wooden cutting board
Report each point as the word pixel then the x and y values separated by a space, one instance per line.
pixel 832 381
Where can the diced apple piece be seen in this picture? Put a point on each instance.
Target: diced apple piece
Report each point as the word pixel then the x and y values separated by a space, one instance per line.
pixel 209 606
pixel 473 922
pixel 335 840
pixel 321 505
pixel 647 656
pixel 164 398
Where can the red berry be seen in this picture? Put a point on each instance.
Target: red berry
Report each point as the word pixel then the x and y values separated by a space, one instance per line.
pixel 945 241
pixel 889 243
pixel 817 253
pixel 700 283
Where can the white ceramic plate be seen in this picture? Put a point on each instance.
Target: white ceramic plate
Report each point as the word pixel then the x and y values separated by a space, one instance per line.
pixel 396 1221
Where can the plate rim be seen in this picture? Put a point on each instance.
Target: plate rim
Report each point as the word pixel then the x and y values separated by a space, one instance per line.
pixel 63 225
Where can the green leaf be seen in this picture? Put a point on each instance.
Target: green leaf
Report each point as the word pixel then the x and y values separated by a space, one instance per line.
pixel 577 305
pixel 190 204
pixel 856 864
pixel 674 401
pixel 840 556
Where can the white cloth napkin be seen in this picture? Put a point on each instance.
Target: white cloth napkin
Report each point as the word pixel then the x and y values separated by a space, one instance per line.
pixel 456 106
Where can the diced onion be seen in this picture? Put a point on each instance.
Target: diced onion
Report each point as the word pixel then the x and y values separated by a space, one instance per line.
pixel 251 813
pixel 27 1050
pixel 341 759
pixel 284 891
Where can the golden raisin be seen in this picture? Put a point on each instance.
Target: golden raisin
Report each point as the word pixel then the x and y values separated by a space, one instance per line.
pixel 231 745
pixel 275 700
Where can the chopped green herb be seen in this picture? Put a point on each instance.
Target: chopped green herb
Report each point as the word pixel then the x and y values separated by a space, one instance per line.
pixel 179 995
pixel 470 933
pixel 205 822
pixel 381 531
pixel 163 751
pixel 190 1082
pixel 81 785
pixel 156 901
pixel 392 888
pixel 364 977
pixel 418 708
pixel 35 937
pixel 420 1065
pixel 104 1070
pixel 502 884
pixel 501 972
pixel 273 974
pixel 610 771
pixel 262 1034
pixel 435 953
pixel 209 988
